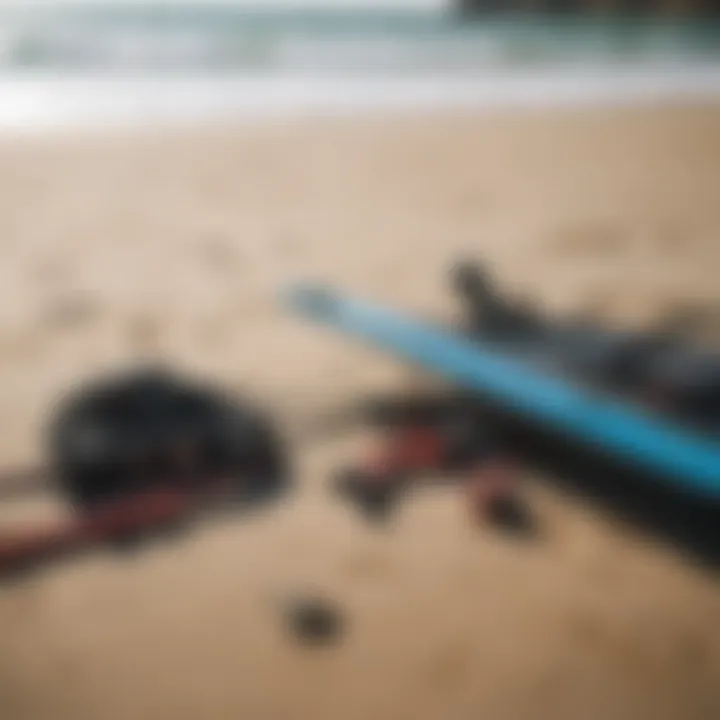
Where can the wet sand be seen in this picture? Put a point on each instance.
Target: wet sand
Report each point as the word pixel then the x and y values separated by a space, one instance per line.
pixel 174 246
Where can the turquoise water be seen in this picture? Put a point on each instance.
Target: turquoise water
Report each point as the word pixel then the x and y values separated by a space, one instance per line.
pixel 117 38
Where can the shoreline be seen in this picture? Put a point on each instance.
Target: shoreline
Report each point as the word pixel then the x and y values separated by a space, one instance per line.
pixel 37 104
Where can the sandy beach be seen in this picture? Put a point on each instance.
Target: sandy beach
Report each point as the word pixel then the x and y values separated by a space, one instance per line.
pixel 174 245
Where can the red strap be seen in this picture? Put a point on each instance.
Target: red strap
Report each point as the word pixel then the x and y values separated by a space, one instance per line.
pixel 409 449
pixel 135 513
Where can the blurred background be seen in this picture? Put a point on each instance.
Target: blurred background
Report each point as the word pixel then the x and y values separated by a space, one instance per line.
pixel 165 167
pixel 237 58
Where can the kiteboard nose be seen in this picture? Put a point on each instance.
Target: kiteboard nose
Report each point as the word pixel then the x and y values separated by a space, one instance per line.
pixel 312 300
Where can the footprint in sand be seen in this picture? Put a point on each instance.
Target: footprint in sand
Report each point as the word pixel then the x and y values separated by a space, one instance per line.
pixel 54 271
pixel 364 566
pixel 220 255
pixel 450 665
pixel 144 334
pixel 590 238
pixel 71 311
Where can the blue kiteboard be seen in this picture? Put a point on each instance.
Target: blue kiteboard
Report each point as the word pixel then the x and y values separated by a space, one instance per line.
pixel 631 434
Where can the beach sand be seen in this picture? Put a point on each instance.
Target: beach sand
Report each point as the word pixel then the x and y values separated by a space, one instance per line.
pixel 173 246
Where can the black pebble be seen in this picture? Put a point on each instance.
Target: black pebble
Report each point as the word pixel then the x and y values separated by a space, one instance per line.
pixel 512 515
pixel 314 622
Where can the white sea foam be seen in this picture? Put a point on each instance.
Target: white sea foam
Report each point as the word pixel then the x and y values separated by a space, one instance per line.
pixel 42 103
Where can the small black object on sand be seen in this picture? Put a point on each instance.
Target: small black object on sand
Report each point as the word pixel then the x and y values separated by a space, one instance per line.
pixel 312 621
pixel 511 515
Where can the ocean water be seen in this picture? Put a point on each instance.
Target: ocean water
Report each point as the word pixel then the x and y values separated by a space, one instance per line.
pixel 121 64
